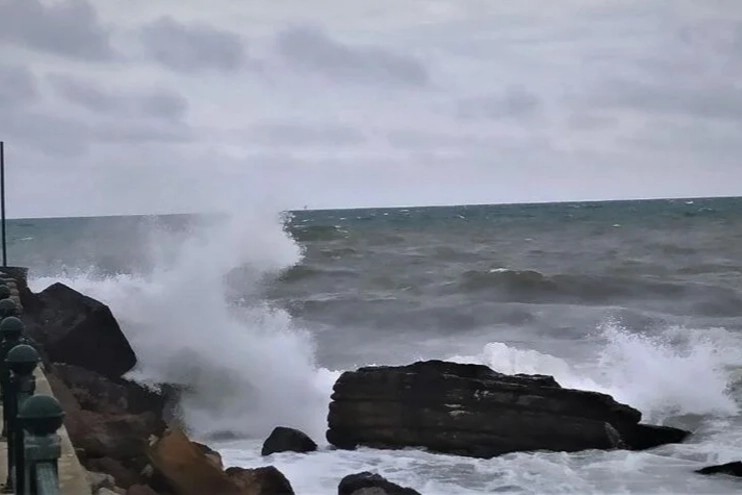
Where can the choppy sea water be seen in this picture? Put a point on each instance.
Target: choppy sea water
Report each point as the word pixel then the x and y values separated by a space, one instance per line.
pixel 258 314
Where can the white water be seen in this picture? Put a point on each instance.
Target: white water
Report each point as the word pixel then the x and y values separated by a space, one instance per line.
pixel 250 369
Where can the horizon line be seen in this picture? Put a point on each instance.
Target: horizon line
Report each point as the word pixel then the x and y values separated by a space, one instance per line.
pixel 392 207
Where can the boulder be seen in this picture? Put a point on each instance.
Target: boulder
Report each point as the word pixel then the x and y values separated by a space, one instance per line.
pixel 122 476
pixel 367 483
pixel 98 393
pixel 186 468
pixel 260 481
pixel 468 409
pixel 75 329
pixel 110 491
pixel 100 480
pixel 119 436
pixel 113 441
pixel 212 455
pixel 730 468
pixel 283 439
pixel 140 490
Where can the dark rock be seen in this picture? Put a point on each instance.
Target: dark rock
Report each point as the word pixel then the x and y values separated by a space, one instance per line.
pixel 113 442
pixel 647 436
pixel 120 436
pixel 355 484
pixel 95 392
pixel 283 439
pixel 468 409
pixel 211 454
pixel 140 490
pixel 186 468
pixel 730 468
pixel 75 329
pixel 98 480
pixel 260 481
pixel 122 476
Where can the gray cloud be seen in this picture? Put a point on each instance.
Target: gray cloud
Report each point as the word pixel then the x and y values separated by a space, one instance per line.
pixel 192 47
pixel 158 103
pixel 720 101
pixel 17 86
pixel 514 102
pixel 69 28
pixel 304 135
pixel 47 132
pixel 312 49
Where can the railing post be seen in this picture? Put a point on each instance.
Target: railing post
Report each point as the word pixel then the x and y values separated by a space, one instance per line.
pixel 7 308
pixel 22 361
pixel 4 291
pixel 11 329
pixel 41 416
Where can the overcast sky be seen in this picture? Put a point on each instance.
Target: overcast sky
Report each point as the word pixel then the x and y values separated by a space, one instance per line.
pixel 145 106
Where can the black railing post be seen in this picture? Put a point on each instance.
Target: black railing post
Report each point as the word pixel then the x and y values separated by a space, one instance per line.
pixel 22 361
pixel 41 416
pixel 9 408
pixel 11 330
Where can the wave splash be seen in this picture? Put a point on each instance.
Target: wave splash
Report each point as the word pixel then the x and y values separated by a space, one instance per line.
pixel 246 366
pixel 679 371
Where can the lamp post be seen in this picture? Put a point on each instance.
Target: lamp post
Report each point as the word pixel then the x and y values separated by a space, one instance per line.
pixel 2 201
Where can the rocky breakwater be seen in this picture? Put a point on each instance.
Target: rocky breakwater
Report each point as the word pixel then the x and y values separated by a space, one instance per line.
pixel 118 427
pixel 472 410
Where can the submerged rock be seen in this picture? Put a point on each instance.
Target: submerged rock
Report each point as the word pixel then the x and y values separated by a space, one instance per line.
pixel 468 409
pixel 283 439
pixel 367 483
pixel 75 329
pixel 730 468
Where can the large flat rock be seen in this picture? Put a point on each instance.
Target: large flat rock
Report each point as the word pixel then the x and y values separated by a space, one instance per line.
pixel 472 410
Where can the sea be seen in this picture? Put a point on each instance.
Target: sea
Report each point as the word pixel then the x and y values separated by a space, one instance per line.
pixel 257 314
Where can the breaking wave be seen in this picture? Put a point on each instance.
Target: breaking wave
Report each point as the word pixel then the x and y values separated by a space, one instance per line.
pixel 246 368
pixel 680 371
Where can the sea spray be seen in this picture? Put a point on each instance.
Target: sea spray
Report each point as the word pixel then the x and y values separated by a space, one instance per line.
pixel 246 367
pixel 678 371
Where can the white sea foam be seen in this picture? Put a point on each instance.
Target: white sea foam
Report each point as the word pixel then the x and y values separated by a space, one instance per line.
pixel 248 368
pixel 678 371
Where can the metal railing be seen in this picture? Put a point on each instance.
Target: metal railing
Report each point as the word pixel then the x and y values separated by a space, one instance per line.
pixel 30 421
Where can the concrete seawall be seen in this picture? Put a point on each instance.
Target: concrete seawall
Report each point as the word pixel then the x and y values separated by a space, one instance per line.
pixel 73 479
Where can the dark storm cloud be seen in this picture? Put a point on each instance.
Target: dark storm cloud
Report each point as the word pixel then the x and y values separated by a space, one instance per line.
pixel 311 49
pixel 158 103
pixel 192 47
pixel 17 86
pixel 69 28
pixel 514 102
